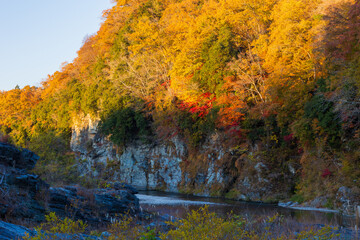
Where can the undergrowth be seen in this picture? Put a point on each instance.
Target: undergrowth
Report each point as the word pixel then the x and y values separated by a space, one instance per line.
pixel 200 224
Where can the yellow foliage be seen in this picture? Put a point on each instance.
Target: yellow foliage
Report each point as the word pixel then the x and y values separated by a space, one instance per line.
pixel 204 225
pixel 288 50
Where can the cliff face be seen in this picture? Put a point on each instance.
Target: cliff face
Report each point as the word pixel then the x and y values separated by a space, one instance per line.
pixel 211 170
pixel 149 166
pixel 170 166
pixel 158 166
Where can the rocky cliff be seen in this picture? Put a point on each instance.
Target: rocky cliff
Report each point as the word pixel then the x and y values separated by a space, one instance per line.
pixel 170 165
pixel 150 166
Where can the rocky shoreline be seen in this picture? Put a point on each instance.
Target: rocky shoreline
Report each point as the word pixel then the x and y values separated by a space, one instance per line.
pixel 24 197
pixel 165 166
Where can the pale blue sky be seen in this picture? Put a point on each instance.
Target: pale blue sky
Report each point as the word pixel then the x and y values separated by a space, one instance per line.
pixel 37 36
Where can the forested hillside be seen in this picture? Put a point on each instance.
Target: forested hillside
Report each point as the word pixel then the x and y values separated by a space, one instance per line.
pixel 278 76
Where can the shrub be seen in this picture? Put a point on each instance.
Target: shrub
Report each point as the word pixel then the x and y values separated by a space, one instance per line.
pixel 196 128
pixel 319 120
pixel 55 225
pixel 4 138
pixel 124 228
pixel 203 224
pixel 57 162
pixel 198 225
pixel 298 198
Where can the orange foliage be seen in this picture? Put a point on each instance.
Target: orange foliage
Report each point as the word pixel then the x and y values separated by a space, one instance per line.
pixel 231 103
pixel 16 105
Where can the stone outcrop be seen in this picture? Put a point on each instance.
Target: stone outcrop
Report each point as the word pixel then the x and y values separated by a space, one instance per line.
pixel 165 165
pixel 20 192
pixel 10 156
pixel 92 206
pixel 154 166
pixel 150 166
pixel 25 196
pixel 169 166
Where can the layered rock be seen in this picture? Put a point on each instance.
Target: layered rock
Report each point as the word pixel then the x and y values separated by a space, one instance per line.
pixel 92 205
pixel 154 166
pixel 25 196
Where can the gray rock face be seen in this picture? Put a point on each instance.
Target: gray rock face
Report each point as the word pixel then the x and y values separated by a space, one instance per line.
pixel 170 166
pixel 148 166
pixel 347 199
pixel 153 167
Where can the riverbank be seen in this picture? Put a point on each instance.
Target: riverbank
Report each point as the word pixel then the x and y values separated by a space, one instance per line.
pixel 197 225
pixel 170 203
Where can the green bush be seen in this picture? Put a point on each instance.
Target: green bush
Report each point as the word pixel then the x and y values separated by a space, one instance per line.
pixel 57 164
pixel 255 128
pixel 298 198
pixel 319 120
pixel 196 128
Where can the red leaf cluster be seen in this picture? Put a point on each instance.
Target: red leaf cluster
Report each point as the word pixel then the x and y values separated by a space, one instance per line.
pixel 200 107
pixel 326 173
pixel 166 83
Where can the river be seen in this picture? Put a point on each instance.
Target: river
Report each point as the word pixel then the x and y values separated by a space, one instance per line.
pixel 178 205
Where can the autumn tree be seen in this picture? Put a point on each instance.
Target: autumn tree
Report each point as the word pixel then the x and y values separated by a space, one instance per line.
pixel 289 54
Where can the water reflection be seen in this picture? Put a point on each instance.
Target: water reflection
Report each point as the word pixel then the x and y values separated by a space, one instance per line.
pixel 178 205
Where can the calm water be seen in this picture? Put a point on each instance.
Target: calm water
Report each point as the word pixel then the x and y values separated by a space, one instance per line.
pixel 178 205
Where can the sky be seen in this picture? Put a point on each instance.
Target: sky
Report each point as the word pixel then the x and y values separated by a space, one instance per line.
pixel 37 36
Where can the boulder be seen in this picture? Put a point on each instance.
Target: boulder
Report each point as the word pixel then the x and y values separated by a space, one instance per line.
pixel 92 205
pixel 10 231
